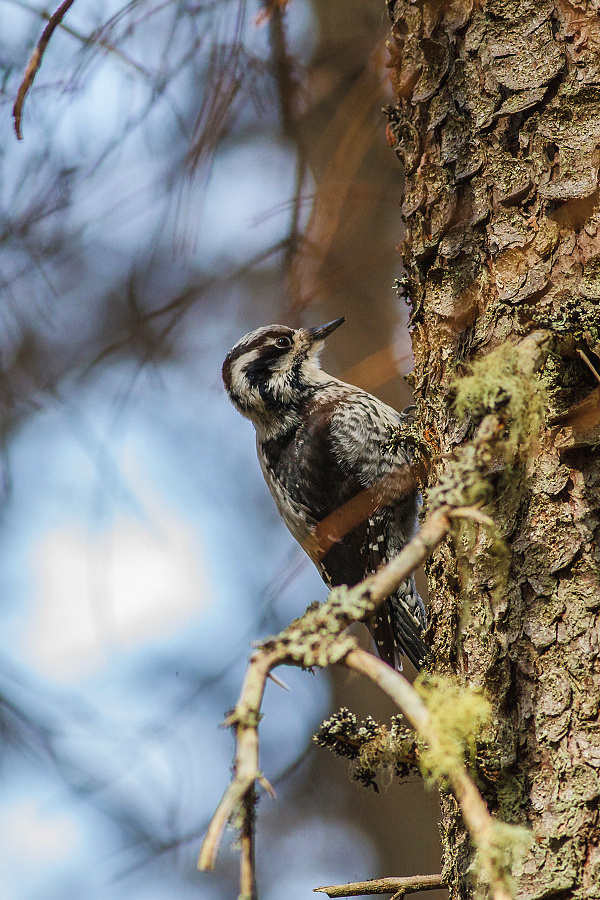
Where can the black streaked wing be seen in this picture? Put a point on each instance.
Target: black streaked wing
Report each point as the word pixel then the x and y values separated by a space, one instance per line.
pixel 360 435
pixel 380 625
pixel 393 628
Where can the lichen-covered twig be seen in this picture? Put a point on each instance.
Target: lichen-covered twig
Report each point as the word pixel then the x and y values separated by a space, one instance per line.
pixel 400 886
pixel 35 62
pixel 370 745
pixel 482 827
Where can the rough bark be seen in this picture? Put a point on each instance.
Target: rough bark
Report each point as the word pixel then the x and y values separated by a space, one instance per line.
pixel 498 127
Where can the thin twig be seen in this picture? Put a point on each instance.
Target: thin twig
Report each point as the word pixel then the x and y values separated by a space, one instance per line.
pixel 401 886
pixel 278 681
pixel 87 39
pixel 589 364
pixel 35 62
pixel 334 187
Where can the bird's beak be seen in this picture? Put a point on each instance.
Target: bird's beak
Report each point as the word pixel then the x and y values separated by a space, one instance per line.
pixel 323 331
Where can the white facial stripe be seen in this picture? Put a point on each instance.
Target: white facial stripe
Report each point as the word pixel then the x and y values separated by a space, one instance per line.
pixel 249 338
pixel 238 378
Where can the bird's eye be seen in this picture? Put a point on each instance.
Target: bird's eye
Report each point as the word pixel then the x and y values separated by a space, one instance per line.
pixel 283 342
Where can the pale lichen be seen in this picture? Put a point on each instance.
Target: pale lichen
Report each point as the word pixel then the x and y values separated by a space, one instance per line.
pixel 370 746
pixel 458 713
pixel 498 383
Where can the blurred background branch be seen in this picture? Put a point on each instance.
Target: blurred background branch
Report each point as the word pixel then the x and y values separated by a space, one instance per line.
pixel 35 62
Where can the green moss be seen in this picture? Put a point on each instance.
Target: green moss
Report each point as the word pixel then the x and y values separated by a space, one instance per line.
pixel 506 404
pixel 458 715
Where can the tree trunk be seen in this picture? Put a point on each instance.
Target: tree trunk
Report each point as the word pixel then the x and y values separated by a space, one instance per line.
pixel 498 127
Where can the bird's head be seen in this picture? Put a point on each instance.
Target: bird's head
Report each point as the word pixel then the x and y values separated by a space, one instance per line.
pixel 270 371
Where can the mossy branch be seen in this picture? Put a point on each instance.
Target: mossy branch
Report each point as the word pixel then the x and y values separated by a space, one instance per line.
pixel 315 639
pixel 503 395
pixel 495 841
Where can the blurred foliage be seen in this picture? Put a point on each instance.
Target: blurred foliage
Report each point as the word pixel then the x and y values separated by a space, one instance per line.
pixel 124 247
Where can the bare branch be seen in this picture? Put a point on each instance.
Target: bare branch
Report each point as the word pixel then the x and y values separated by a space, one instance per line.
pixel 401 886
pixel 35 62
pixel 88 39
pixel 244 719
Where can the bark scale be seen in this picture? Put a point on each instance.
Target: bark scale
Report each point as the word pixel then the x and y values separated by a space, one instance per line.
pixel 498 127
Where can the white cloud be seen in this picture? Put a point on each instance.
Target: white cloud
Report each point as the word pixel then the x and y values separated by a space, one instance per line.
pixel 137 579
pixel 32 835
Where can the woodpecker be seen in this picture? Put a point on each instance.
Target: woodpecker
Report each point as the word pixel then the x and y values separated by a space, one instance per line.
pixel 336 465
